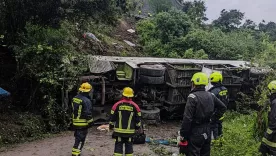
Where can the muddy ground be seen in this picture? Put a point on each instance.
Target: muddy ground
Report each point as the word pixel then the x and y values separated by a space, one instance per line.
pixel 98 143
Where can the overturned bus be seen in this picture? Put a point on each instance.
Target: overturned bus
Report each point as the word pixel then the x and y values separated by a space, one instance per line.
pixel 161 85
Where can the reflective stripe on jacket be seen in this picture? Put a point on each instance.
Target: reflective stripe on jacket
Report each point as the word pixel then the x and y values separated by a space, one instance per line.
pixel 199 109
pixel 270 135
pixel 221 93
pixel 82 111
pixel 125 118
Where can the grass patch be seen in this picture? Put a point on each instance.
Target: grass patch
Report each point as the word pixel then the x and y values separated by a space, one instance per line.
pixel 238 136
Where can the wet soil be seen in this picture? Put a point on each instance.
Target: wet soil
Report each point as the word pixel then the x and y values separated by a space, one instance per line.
pixel 97 144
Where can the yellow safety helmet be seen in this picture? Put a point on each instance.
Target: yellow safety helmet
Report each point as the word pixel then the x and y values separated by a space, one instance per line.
pixel 85 87
pixel 272 86
pixel 128 92
pixel 216 77
pixel 200 78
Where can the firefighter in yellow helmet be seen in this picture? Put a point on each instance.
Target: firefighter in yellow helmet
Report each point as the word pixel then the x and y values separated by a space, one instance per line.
pixel 269 140
pixel 199 109
pixel 125 118
pixel 82 117
pixel 222 93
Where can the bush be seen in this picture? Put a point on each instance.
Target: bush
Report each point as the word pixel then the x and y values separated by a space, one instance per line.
pixel 32 125
pixel 99 10
pixel 220 45
pixel 162 36
pixel 46 55
pixel 19 127
pixel 261 95
pixel 268 49
pixel 237 134
pixel 160 5
pixel 174 33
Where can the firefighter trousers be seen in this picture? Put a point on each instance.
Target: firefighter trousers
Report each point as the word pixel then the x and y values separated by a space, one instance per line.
pixel 267 151
pixel 80 136
pixel 119 142
pixel 216 129
pixel 220 128
pixel 268 143
pixel 199 143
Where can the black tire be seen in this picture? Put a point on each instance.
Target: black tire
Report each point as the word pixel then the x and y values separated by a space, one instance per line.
pixel 154 70
pixel 152 80
pixel 152 114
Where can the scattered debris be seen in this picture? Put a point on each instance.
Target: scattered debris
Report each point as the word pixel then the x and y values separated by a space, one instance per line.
pixel 92 36
pixel 131 30
pixel 138 17
pixel 117 46
pixel 168 142
pixel 90 149
pixel 103 128
pixel 97 143
pixel 130 43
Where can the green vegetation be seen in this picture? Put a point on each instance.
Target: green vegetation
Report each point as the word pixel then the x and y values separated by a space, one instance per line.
pixel 160 5
pixel 177 34
pixel 238 139
pixel 172 33
pixel 237 135
pixel 21 127
pixel 47 44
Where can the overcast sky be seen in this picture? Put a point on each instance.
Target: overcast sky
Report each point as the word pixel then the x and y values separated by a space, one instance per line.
pixel 256 10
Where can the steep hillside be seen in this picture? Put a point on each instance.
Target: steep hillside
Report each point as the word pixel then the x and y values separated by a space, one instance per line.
pixel 118 43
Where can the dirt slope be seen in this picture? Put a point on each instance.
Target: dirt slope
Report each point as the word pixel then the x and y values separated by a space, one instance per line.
pixel 98 144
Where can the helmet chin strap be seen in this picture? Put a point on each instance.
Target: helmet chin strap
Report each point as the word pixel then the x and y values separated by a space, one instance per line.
pixel 193 86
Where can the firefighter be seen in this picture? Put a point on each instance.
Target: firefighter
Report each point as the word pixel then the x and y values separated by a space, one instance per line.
pixel 199 109
pixel 221 93
pixel 268 145
pixel 125 119
pixel 82 117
